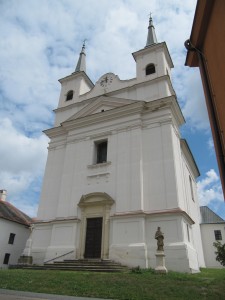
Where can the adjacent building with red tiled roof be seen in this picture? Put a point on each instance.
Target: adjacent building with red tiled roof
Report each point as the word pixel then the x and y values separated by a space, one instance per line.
pixel 14 231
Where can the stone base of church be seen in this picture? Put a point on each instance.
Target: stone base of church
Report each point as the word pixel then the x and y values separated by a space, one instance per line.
pixel 63 240
pixel 25 260
pixel 179 257
pixel 130 255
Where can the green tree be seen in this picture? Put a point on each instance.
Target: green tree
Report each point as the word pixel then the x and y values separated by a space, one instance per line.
pixel 220 253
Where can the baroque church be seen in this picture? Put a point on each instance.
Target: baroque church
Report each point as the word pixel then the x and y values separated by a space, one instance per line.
pixel 117 169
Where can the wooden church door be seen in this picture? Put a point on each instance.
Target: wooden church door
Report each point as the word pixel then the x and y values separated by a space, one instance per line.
pixel 93 242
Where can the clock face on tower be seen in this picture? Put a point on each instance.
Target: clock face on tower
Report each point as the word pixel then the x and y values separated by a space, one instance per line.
pixel 106 81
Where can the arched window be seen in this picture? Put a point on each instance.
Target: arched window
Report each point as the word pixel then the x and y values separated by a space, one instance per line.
pixel 150 69
pixel 69 95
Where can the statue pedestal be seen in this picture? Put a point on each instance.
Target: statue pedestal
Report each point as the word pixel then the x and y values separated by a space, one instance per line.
pixel 160 263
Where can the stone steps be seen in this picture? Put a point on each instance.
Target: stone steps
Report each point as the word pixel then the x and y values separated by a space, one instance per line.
pixel 88 265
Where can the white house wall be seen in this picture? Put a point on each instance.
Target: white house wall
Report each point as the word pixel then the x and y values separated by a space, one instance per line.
pixel 208 238
pixel 21 232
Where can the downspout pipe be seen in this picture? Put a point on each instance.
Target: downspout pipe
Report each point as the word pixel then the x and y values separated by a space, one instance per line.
pixel 212 111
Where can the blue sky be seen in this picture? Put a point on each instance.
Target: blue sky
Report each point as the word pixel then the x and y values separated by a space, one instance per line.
pixel 40 43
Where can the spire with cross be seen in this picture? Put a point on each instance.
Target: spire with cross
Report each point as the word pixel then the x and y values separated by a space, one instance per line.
pixel 81 64
pixel 151 39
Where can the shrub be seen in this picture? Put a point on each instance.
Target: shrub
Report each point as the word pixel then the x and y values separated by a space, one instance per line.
pixel 220 253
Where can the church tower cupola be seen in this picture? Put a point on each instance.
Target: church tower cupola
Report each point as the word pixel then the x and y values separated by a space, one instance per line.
pixel 81 64
pixel 151 39
pixel 153 61
pixel 76 84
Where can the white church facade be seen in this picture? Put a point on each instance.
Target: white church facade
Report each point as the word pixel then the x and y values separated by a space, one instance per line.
pixel 118 168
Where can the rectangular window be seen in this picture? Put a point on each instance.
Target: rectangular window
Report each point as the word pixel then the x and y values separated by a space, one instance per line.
pixel 188 233
pixel 218 235
pixel 11 238
pixel 6 259
pixel 191 188
pixel 101 151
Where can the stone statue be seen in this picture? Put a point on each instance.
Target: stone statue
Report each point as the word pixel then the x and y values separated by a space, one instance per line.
pixel 159 236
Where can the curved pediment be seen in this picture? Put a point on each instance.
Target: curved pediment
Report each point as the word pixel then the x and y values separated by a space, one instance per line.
pixel 107 83
pixel 107 80
pixel 97 198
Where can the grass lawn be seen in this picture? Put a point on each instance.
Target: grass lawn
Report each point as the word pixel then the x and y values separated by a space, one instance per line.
pixel 209 284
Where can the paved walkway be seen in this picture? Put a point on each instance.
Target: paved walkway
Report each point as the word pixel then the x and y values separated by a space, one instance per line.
pixel 17 295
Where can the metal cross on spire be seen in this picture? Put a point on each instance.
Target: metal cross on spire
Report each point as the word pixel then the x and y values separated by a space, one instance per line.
pixel 83 47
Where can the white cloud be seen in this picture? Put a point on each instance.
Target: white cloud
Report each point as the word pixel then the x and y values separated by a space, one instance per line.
pixel 211 145
pixel 22 163
pixel 30 208
pixel 194 109
pixel 30 151
pixel 209 188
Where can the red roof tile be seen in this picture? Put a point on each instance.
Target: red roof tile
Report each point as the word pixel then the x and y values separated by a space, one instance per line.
pixel 11 213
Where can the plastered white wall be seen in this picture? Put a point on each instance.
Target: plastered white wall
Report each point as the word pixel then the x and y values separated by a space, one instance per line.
pixel 208 238
pixel 21 232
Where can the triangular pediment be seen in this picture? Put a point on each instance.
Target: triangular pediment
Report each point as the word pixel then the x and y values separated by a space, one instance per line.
pixel 101 104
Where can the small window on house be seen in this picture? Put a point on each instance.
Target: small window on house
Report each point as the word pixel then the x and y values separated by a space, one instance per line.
pixel 191 188
pixel 101 152
pixel 150 69
pixel 69 95
pixel 11 238
pixel 218 235
pixel 6 259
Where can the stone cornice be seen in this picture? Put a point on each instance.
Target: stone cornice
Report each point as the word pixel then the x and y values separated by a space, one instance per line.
pixel 97 198
pixel 56 220
pixel 154 213
pixel 74 75
pixel 168 102
pixel 189 157
pixel 106 116
pixel 55 131
pixel 152 48
pixel 111 102
pixel 140 108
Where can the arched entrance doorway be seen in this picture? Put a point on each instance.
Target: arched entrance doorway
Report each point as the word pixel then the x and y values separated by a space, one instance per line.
pixel 94 229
